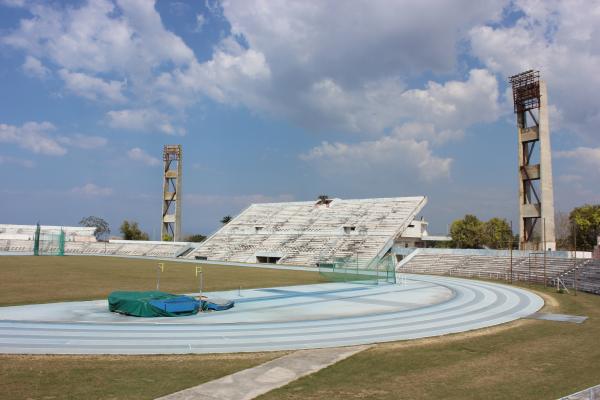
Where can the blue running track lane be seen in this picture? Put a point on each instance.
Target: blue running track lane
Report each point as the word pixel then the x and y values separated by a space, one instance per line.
pixel 284 318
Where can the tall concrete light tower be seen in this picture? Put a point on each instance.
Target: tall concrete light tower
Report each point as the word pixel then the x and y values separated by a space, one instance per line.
pixel 536 197
pixel 171 209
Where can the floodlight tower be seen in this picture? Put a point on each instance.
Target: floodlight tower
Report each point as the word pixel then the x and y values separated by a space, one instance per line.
pixel 536 197
pixel 171 209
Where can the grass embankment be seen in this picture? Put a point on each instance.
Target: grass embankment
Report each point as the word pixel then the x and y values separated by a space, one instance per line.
pixel 114 377
pixel 526 359
pixel 29 279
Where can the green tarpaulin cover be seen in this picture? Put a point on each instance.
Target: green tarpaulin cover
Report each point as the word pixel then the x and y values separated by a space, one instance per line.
pixel 139 304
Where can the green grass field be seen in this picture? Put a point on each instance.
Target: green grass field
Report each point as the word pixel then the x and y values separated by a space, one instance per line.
pixel 114 377
pixel 29 279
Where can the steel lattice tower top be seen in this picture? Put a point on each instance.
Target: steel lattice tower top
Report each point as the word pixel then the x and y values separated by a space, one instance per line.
pixel 171 209
pixel 536 197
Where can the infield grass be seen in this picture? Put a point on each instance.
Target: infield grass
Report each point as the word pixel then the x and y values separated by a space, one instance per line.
pixel 29 279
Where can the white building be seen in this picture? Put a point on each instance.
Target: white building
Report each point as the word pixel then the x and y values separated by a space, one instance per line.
pixel 27 232
pixel 416 235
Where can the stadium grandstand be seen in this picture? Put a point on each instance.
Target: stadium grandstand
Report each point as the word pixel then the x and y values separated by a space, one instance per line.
pixel 560 269
pixel 309 233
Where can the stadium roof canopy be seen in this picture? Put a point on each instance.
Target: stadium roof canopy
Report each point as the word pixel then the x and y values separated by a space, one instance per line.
pixel 310 232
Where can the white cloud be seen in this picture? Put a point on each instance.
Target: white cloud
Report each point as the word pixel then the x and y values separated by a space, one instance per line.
pixel 92 190
pixel 33 67
pixel 32 136
pixel 570 178
pixel 93 88
pixel 103 51
pixel 200 22
pixel 453 105
pixel 350 72
pixel 17 161
pixel 398 153
pixel 100 36
pixel 296 61
pixel 83 141
pixel 579 178
pixel 138 154
pixel 13 3
pixel 561 39
pixel 145 119
pixel 233 76
pixel 583 158
pixel 38 137
pixel 365 41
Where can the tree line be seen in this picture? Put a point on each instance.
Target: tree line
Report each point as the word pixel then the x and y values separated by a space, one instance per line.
pixel 580 226
pixel 471 233
pixel 130 230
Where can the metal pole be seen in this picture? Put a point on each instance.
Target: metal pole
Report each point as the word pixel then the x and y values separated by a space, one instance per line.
pixel 511 252
pixel 544 225
pixel 158 277
pixel 201 284
pixel 159 268
pixel 575 259
pixel 529 278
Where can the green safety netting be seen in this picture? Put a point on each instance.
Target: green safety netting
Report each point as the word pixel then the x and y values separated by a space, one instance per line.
pixel 48 243
pixel 356 270
pixel 152 304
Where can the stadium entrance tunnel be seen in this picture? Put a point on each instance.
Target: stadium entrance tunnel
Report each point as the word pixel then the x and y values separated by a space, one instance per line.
pixel 270 319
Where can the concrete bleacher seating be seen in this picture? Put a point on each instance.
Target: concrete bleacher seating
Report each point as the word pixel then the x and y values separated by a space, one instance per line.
pixel 306 233
pixel 585 277
pixel 16 245
pixel 122 248
pixel 531 268
pixel 150 249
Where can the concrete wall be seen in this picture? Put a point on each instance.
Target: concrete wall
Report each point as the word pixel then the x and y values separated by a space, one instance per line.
pixel 487 252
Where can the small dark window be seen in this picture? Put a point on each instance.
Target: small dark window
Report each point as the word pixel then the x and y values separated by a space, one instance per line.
pixel 349 229
pixel 267 260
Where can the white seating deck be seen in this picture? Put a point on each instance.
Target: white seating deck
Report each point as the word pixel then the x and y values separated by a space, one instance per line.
pixel 124 249
pixel 530 269
pixel 100 248
pixel 16 245
pixel 585 277
pixel 304 233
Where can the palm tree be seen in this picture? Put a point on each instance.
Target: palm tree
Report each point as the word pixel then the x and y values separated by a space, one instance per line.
pixel 226 219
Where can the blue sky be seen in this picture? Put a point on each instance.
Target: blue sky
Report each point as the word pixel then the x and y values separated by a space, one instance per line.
pixel 282 100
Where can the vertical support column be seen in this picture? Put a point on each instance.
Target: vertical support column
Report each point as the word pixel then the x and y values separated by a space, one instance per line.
pixel 177 234
pixel 171 209
pixel 536 195
pixel 546 182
